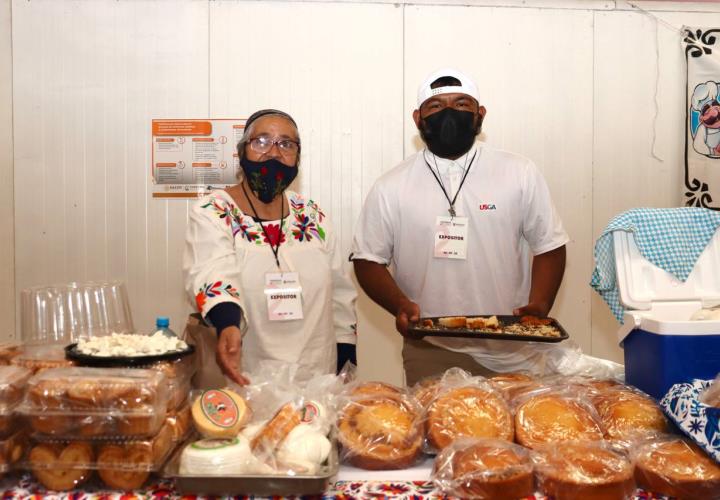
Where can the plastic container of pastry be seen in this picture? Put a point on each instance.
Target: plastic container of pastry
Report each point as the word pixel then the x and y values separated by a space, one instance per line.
pixel 123 465
pixel 8 350
pixel 12 450
pixel 519 328
pixel 253 485
pixel 95 403
pixel 13 380
pixel 41 357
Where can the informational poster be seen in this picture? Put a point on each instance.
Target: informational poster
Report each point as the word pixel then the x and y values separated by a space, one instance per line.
pixel 192 157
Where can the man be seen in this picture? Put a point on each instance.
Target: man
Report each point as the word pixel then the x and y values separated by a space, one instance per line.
pixel 457 223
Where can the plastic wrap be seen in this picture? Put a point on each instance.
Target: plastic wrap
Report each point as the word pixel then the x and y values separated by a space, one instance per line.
pixel 553 416
pixel 12 450
pixel 13 380
pixel 513 384
pixel 677 468
pixel 125 465
pixel 380 427
pixel 8 351
pixel 491 469
pixel 628 413
pixel 467 408
pixel 38 358
pixel 180 421
pixel 584 471
pixel 96 403
pixel 427 388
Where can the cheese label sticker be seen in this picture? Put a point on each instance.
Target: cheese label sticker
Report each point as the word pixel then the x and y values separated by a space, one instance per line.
pixel 219 408
pixel 214 444
pixel 309 412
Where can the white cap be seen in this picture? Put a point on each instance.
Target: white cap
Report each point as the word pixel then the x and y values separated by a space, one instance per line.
pixel 467 86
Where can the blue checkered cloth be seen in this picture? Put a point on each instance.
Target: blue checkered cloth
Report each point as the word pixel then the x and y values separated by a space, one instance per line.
pixel 670 238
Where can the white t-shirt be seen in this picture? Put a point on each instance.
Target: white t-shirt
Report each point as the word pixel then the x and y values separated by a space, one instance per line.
pixel 511 216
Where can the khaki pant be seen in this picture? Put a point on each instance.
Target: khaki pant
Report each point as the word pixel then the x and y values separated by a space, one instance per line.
pixel 204 338
pixel 422 359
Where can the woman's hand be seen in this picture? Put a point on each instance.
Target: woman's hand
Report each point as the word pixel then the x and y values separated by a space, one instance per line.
pixel 228 354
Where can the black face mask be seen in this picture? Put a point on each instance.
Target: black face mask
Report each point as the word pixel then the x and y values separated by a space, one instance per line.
pixel 268 178
pixel 449 133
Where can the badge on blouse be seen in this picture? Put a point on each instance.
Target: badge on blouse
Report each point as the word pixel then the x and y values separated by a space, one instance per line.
pixel 284 296
pixel 451 237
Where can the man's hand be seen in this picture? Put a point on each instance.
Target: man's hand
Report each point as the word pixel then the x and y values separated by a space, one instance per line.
pixel 407 311
pixel 532 309
pixel 228 354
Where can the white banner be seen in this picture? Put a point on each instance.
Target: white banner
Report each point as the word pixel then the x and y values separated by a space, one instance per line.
pixel 702 139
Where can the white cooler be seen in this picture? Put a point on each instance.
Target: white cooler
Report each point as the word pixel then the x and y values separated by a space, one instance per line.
pixel 662 346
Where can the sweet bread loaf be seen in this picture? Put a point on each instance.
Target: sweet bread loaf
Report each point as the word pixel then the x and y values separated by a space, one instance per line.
pixel 380 432
pixel 470 412
pixel 514 384
pixel 626 413
pixel 374 389
pixel 677 468
pixel 276 430
pixel 61 467
pixel 553 418
pixel 584 471
pixel 485 469
pixel 453 322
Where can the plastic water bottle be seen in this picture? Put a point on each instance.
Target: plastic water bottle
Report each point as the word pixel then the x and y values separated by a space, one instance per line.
pixel 162 324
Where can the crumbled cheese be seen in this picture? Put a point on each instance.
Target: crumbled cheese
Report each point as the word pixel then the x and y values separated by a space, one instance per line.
pixel 129 345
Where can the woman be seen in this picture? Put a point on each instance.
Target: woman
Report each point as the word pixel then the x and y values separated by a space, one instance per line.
pixel 264 259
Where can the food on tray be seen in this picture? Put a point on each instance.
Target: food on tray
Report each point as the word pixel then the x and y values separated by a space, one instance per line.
pixel 485 469
pixel 525 325
pixel 127 466
pixel 217 457
pixel 130 345
pixel 276 429
pixel 380 431
pixel 584 470
pixel 553 418
pixel 627 413
pixel 61 467
pixel 304 450
pixel 468 412
pixel 677 468
pixel 219 413
pixel 453 322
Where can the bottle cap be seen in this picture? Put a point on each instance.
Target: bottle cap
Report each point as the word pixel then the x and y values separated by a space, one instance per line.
pixel 162 322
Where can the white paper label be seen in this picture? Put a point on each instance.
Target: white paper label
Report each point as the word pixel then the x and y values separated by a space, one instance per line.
pixel 451 237
pixel 284 296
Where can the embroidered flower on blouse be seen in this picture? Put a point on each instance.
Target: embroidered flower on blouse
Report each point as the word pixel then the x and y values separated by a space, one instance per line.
pixel 210 290
pixel 273 235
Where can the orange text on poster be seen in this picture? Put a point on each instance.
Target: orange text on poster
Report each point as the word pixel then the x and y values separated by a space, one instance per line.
pixel 181 127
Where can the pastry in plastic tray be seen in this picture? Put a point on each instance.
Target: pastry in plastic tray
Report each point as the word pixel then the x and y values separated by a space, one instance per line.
pixel 38 358
pixel 626 413
pixel 484 469
pixel 554 418
pixel 178 391
pixel 584 471
pixel 183 368
pixel 13 380
pixel 96 402
pixel 470 411
pixel 677 468
pixel 381 431
pixel 12 450
pixel 8 351
pixel 180 421
pixel 63 465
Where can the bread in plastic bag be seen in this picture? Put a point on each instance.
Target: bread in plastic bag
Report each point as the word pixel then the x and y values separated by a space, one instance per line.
pixel 490 469
pixel 380 427
pixel 584 470
pixel 427 388
pixel 627 413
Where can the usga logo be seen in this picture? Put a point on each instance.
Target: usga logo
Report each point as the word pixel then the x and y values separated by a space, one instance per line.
pixel 487 206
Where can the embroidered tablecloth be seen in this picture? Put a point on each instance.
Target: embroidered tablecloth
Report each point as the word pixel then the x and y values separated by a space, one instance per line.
pixel 25 487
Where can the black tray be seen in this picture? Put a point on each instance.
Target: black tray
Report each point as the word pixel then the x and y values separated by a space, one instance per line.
pixel 81 359
pixel 417 332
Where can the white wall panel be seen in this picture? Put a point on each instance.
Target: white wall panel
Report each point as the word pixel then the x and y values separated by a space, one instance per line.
pixel 337 69
pixel 7 222
pixel 89 77
pixel 535 79
pixel 638 160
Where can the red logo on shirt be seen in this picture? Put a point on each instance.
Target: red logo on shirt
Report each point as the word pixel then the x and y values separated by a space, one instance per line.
pixel 487 206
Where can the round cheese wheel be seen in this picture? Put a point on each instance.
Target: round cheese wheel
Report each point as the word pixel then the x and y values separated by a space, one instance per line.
pixel 219 413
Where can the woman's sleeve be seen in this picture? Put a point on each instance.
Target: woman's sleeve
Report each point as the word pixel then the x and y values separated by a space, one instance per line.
pixel 210 267
pixel 344 293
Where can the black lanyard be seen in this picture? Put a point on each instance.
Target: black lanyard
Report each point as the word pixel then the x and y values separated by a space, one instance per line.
pixel 451 210
pixel 275 249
